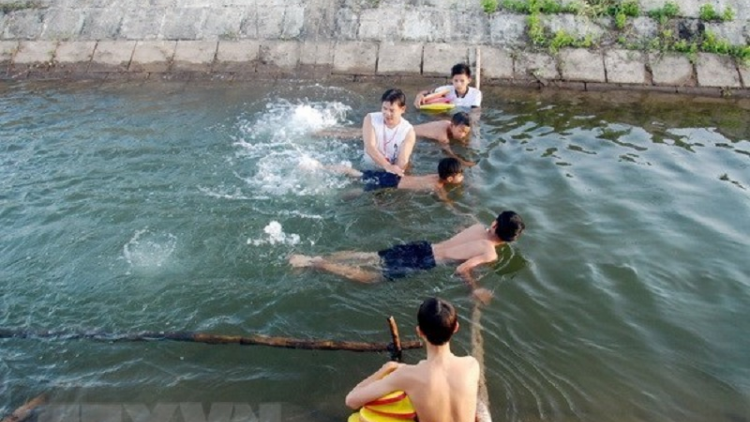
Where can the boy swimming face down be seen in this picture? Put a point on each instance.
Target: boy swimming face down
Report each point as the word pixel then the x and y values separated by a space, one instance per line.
pixel 450 172
pixel 441 387
pixel 469 248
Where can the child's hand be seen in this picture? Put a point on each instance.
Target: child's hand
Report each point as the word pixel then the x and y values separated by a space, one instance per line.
pixel 418 99
pixel 392 168
pixel 467 163
pixel 482 295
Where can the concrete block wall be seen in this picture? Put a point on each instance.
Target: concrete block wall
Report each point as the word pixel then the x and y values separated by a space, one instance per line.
pixel 349 38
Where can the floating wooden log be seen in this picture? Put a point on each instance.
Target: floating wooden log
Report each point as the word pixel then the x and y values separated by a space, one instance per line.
pixel 253 340
pixel 26 410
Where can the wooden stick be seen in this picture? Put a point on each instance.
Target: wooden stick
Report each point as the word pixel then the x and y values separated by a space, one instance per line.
pixel 253 340
pixel 396 352
pixel 26 410
pixel 477 346
pixel 479 66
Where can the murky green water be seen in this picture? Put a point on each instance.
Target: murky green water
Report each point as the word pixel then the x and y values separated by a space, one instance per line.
pixel 172 206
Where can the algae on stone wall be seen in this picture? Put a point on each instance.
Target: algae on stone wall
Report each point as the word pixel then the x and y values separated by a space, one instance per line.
pixel 14 6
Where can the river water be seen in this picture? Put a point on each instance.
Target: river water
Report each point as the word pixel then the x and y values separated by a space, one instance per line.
pixel 173 206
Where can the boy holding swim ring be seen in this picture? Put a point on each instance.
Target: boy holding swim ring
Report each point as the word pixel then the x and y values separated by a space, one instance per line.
pixel 389 138
pixel 459 93
pixel 442 387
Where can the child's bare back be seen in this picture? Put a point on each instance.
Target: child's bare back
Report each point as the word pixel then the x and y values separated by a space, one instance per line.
pixel 471 242
pixel 437 130
pixel 443 390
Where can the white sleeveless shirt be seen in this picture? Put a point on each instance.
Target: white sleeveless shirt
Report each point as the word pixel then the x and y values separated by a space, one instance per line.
pixel 387 140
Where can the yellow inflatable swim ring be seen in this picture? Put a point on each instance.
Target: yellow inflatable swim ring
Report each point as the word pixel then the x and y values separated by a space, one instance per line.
pixel 393 407
pixel 437 107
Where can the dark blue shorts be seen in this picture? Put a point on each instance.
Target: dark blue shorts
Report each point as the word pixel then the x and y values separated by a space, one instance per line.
pixel 401 260
pixel 379 179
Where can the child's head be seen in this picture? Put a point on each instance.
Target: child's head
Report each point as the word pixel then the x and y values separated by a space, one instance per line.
pixel 460 126
pixel 450 170
pixel 437 320
pixel 394 96
pixel 393 105
pixel 461 77
pixel 508 226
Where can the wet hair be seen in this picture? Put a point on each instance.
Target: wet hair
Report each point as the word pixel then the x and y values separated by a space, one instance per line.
pixel 461 69
pixel 437 320
pixel 461 118
pixel 394 96
pixel 509 226
pixel 448 167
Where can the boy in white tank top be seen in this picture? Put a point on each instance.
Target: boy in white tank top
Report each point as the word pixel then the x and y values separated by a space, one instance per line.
pixel 389 138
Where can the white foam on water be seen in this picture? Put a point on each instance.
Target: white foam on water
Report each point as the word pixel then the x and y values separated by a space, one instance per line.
pixel 284 120
pixel 223 193
pixel 149 250
pixel 279 149
pixel 274 235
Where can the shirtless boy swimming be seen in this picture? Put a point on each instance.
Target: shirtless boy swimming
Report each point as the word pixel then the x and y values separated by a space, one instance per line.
pixel 471 247
pixel 450 172
pixel 458 128
pixel 443 387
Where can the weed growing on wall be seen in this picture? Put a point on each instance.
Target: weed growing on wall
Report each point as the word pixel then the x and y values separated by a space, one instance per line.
pixel 19 5
pixel 562 39
pixel 489 6
pixel 666 12
pixel 707 13
pixel 621 11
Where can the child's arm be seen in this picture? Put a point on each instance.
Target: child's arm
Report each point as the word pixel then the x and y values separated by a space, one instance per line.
pixel 448 151
pixel 420 98
pixel 375 386
pixel 425 97
pixel 406 149
pixel 464 272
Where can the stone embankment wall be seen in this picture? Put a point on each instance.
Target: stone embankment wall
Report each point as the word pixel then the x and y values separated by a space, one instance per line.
pixel 244 39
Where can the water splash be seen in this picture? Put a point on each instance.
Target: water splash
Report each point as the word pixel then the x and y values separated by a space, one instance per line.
pixel 283 120
pixel 148 250
pixel 277 145
pixel 274 236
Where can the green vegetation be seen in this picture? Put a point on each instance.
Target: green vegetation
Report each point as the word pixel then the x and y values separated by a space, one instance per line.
pixel 562 39
pixel 19 5
pixel 517 6
pixel 668 11
pixel 536 30
pixel 489 6
pixel 630 8
pixel 620 20
pixel 707 13
pixel 728 14
pixel 621 11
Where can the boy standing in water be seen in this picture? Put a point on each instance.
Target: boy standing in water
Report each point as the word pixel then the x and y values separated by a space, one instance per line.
pixel 458 128
pixel 471 247
pixel 442 387
pixel 388 138
pixel 459 93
